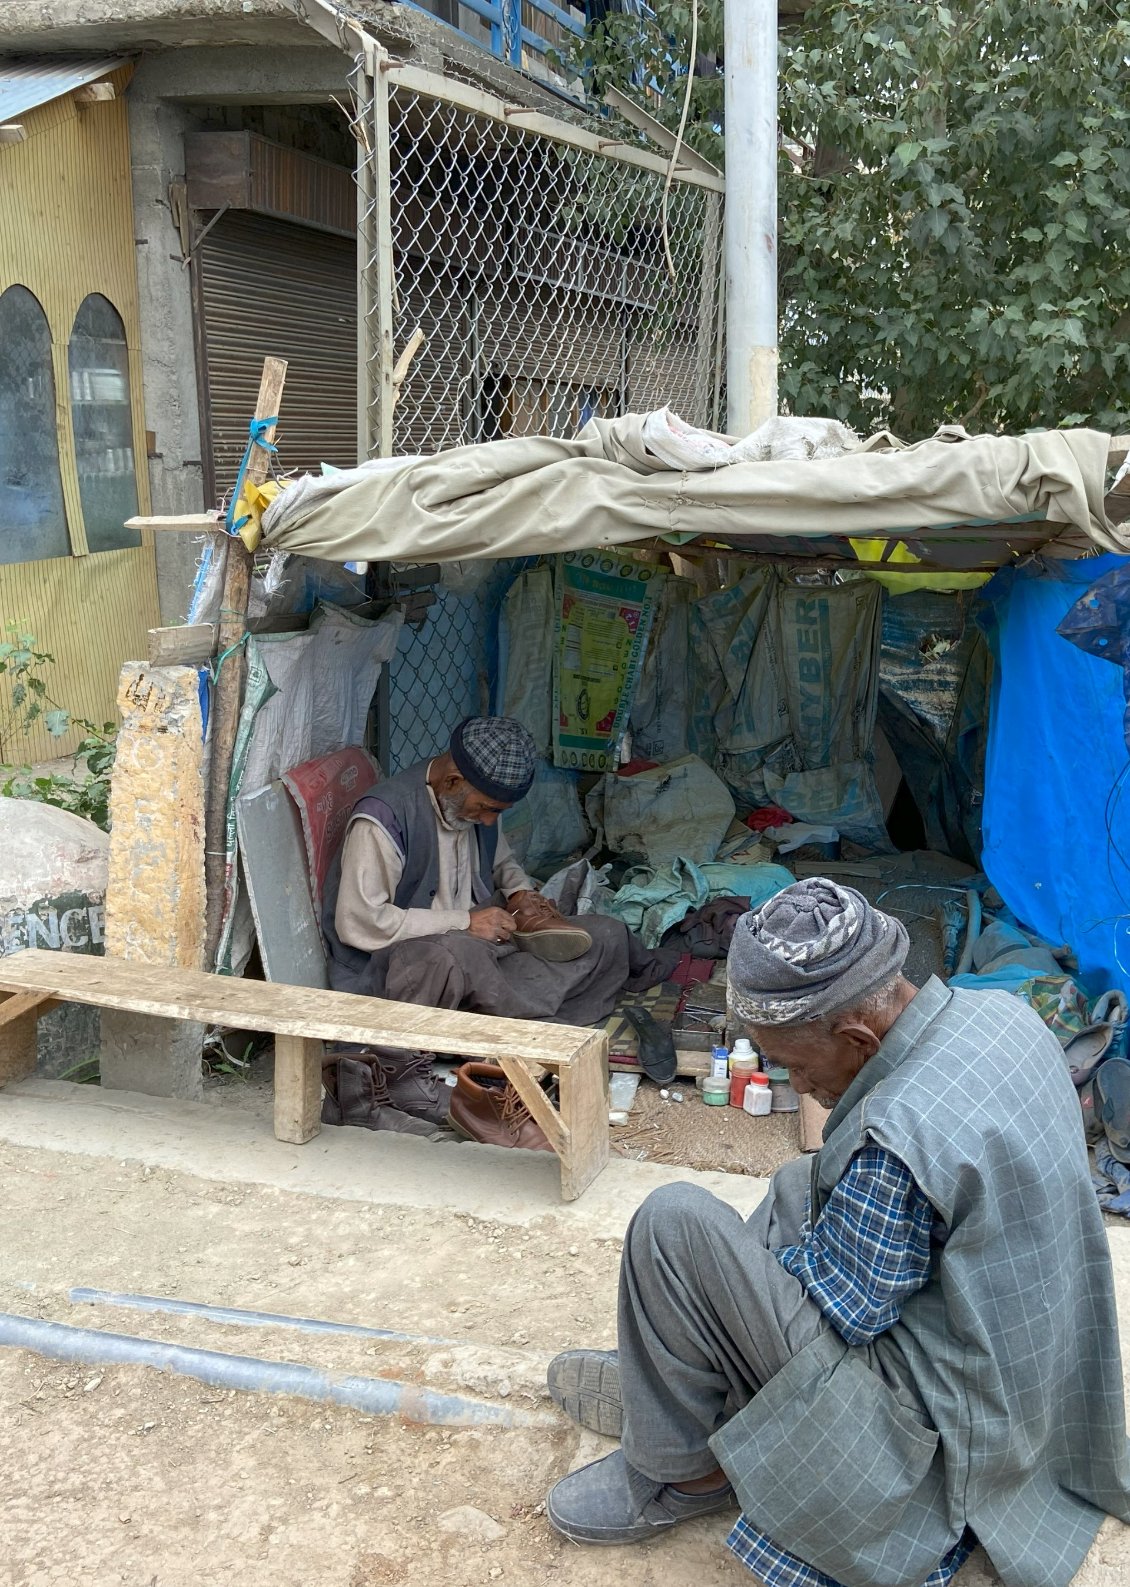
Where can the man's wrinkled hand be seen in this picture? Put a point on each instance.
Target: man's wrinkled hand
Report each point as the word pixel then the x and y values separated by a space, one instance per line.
pixel 491 924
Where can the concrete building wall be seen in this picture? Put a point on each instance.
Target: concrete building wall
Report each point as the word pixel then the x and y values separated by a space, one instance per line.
pixel 285 93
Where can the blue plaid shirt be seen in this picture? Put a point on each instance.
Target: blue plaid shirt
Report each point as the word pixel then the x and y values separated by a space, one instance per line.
pixel 869 1251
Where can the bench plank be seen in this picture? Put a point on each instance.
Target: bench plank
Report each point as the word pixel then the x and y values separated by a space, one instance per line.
pixel 310 1012
pixel 302 1018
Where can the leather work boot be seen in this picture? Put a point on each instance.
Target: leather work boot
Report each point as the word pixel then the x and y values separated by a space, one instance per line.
pixel 543 931
pixel 413 1088
pixel 485 1107
pixel 356 1094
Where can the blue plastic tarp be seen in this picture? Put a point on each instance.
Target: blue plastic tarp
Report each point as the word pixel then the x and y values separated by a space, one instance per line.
pixel 1057 778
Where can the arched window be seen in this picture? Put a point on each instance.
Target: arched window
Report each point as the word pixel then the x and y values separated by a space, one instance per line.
pixel 103 424
pixel 33 522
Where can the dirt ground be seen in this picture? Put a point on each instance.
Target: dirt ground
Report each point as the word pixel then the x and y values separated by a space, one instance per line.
pixel 126 1477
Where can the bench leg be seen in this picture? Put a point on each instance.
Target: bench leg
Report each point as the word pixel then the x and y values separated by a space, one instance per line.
pixel 584 1112
pixel 298 1089
pixel 19 1014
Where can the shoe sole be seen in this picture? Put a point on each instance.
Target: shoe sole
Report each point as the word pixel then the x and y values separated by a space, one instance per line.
pixel 555 947
pixel 587 1389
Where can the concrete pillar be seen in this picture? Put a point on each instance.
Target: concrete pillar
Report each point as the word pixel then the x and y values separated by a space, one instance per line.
pixel 155 892
pixel 172 409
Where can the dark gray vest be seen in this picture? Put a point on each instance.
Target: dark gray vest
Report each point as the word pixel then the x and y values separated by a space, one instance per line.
pixel 996 1399
pixel 402 807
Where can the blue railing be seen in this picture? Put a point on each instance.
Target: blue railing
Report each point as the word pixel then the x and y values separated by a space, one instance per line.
pixel 508 31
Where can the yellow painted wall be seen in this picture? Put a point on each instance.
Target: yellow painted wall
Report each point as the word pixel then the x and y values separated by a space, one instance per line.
pixel 66 230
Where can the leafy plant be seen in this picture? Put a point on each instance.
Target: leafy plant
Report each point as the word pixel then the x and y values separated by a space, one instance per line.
pixel 85 789
pixel 952 202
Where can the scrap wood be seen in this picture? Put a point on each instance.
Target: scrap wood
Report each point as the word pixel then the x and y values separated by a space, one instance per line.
pixel 227 695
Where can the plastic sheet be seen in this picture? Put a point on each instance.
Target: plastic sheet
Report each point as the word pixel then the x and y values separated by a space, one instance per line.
pixel 1057 783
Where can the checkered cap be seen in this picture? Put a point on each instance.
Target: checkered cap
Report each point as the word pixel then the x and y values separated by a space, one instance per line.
pixel 496 755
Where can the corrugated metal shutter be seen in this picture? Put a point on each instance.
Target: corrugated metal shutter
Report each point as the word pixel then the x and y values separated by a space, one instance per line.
pixel 435 407
pixel 270 287
pixel 563 337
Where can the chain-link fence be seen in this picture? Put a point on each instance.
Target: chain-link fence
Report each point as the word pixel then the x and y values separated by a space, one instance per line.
pixel 554 274
pixel 444 668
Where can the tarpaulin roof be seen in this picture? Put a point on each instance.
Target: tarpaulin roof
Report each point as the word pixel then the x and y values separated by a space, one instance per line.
pixel 614 485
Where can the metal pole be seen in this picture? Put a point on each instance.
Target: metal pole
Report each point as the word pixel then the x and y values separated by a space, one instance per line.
pixel 751 213
pixel 381 392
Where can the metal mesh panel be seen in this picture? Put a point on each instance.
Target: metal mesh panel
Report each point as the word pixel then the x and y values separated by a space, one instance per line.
pixel 534 263
pixel 444 669
pixel 538 275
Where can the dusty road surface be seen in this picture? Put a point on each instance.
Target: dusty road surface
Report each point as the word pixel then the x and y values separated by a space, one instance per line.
pixel 123 1476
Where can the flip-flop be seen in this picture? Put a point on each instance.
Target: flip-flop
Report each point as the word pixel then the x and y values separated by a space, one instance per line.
pixel 657 1056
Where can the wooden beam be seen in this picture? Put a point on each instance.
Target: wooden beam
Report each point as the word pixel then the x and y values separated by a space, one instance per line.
pixel 189 523
pixel 95 93
pixel 21 1003
pixel 12 132
pixel 227 694
pixel 411 347
pixel 540 1108
pixel 187 645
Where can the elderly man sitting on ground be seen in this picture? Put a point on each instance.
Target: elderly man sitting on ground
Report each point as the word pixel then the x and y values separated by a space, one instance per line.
pixel 911 1346
pixel 427 904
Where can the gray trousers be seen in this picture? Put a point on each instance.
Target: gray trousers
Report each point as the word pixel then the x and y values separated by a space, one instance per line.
pixel 707 1315
pixel 457 970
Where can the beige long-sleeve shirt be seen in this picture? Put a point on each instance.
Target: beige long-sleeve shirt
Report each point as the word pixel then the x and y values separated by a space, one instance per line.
pixel 371 868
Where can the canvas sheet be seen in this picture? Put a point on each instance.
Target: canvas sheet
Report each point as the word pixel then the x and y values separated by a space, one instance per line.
pixel 536 496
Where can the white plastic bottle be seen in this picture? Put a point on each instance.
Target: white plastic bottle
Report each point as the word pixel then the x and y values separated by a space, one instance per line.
pixel 743 1048
pixel 757 1099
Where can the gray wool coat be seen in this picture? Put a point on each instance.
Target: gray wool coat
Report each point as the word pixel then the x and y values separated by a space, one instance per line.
pixel 996 1400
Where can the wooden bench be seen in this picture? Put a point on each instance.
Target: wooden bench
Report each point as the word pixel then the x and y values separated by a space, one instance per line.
pixel 302 1018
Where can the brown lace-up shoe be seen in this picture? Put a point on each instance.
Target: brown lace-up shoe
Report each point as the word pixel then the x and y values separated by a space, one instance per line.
pixel 485 1107
pixel 543 931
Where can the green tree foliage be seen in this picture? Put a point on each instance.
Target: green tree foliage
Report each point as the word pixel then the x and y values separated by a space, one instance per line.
pixel 953 203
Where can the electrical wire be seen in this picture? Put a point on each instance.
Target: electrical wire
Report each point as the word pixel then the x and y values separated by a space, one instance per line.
pixel 675 152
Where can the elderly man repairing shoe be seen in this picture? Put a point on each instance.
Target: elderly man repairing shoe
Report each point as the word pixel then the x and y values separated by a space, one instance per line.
pixel 911 1346
pixel 427 904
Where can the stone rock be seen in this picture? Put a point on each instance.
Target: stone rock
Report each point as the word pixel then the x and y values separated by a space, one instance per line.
pixel 53 895
pixel 53 883
pixel 466 1521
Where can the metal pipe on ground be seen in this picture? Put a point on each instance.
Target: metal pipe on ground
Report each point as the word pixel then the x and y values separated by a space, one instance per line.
pixel 246 1319
pixel 375 1396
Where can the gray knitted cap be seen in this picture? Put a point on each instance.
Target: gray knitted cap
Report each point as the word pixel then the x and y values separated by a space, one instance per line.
pixel 812 950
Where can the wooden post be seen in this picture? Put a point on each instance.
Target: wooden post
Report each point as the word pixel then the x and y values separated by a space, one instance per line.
pixel 298 1089
pixel 228 691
